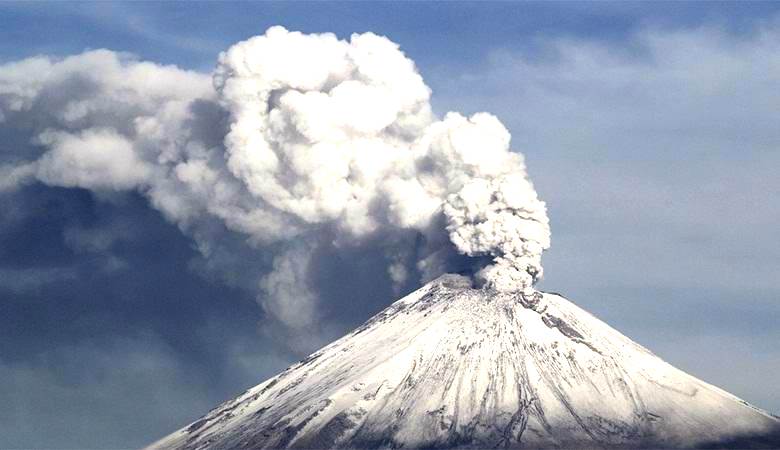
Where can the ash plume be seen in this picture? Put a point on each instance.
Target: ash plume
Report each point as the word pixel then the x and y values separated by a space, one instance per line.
pixel 303 144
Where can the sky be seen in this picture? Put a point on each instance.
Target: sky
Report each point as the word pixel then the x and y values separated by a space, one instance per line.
pixel 649 129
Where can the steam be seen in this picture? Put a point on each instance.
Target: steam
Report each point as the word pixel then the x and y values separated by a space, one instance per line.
pixel 302 141
pixel 337 132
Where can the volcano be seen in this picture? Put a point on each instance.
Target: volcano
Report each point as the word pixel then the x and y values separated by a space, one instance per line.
pixel 451 366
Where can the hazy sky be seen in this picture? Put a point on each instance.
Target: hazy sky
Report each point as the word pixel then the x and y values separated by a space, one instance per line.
pixel 649 129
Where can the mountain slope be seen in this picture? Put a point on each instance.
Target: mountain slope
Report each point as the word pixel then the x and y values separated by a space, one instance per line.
pixel 450 366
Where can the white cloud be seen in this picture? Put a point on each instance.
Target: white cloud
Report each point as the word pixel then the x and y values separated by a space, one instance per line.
pixel 321 137
pixel 92 159
pixel 329 140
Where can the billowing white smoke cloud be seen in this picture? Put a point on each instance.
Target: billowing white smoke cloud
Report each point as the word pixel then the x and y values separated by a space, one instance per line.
pixel 340 132
pixel 302 139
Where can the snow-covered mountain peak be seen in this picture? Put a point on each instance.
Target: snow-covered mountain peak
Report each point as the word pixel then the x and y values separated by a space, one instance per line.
pixel 451 366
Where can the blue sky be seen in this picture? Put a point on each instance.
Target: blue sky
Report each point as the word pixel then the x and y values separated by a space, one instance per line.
pixel 648 128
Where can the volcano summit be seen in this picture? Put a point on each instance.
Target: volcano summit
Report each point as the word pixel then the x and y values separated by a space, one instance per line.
pixel 450 366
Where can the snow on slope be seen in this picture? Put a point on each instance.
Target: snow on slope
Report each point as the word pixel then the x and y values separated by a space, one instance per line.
pixel 450 366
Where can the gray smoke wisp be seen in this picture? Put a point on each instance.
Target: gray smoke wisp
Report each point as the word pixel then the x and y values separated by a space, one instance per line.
pixel 295 141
